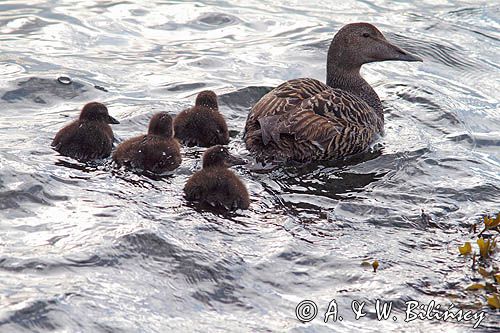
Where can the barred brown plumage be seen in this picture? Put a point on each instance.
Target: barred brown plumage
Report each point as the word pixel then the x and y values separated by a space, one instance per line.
pixel 306 120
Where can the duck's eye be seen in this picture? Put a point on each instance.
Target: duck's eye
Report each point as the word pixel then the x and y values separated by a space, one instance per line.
pixel 366 35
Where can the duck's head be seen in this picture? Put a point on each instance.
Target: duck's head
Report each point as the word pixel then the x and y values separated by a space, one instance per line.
pixel 95 111
pixel 161 124
pixel 356 44
pixel 207 98
pixel 220 156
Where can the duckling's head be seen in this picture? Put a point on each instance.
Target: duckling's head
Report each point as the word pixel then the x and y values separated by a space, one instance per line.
pixel 220 156
pixel 95 111
pixel 207 98
pixel 161 124
pixel 356 44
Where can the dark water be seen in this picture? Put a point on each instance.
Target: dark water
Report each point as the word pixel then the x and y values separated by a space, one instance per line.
pixel 86 248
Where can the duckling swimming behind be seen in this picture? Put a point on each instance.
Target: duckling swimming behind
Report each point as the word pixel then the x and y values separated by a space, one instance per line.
pixel 88 138
pixel 215 184
pixel 202 125
pixel 156 152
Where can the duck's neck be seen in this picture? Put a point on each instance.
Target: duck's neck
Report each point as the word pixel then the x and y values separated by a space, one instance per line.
pixel 350 80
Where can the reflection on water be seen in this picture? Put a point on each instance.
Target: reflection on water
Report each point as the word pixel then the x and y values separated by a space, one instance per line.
pixel 88 247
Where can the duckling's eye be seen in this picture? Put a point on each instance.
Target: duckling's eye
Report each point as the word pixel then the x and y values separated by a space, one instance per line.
pixel 366 35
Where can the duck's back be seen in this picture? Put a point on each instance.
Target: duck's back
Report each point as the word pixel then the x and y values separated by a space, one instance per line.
pixel 217 187
pixel 84 140
pixel 149 152
pixel 306 120
pixel 201 127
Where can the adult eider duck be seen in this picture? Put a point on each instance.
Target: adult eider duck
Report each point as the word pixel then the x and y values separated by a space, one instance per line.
pixel 215 185
pixel 156 152
pixel 88 138
pixel 306 120
pixel 202 125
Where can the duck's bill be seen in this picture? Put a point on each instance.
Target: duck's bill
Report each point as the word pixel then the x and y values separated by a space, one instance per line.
pixel 233 160
pixel 112 120
pixel 406 56
pixel 390 51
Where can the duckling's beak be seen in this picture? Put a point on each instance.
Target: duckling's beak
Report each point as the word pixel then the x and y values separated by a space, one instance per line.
pixel 233 160
pixel 388 51
pixel 112 120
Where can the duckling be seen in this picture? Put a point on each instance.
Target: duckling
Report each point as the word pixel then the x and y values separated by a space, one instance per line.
pixel 306 120
pixel 202 125
pixel 215 185
pixel 89 137
pixel 156 152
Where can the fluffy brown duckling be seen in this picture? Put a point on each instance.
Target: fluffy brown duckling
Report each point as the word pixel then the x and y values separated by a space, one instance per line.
pixel 215 184
pixel 202 125
pixel 89 137
pixel 156 152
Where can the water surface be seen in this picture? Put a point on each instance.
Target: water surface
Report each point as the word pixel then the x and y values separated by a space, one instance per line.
pixel 93 249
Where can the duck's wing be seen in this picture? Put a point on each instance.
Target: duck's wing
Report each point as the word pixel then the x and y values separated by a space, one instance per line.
pixel 322 121
pixel 286 95
pixel 281 100
pixel 336 122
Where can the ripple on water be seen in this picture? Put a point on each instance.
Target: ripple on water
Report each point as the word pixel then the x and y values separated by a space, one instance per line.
pixel 12 199
pixel 45 91
pixel 440 51
pixel 38 315
pixel 10 69
pixel 23 25
pixel 208 21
